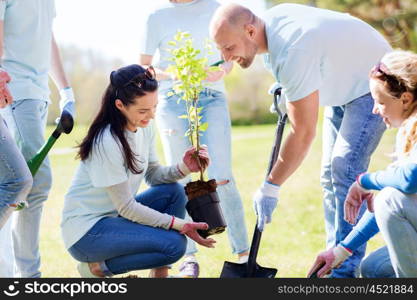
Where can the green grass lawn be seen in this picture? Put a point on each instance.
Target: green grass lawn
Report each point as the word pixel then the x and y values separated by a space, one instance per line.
pixel 290 243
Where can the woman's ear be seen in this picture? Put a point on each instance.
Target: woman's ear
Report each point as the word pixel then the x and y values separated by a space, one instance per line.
pixel 407 99
pixel 119 104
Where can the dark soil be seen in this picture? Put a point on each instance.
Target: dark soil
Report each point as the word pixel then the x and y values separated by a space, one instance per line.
pixel 198 188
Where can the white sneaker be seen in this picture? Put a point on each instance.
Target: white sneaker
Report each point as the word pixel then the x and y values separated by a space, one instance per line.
pixel 243 259
pixel 189 268
pixel 84 271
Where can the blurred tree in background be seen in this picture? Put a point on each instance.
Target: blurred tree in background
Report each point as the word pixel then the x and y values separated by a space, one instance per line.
pixel 247 93
pixel 395 19
pixel 88 72
pixel 246 88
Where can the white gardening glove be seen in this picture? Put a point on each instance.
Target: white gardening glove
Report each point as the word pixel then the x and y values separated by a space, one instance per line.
pixel 265 201
pixel 281 101
pixel 273 88
pixel 329 260
pixel 67 101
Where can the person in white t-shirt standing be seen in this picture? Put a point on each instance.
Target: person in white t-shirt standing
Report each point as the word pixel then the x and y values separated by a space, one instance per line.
pixel 160 28
pixel 319 57
pixel 29 53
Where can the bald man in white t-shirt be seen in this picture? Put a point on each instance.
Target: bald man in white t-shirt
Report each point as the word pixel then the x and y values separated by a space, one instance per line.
pixel 319 57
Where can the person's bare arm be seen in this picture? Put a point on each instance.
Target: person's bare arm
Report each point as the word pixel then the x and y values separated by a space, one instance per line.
pixel 57 70
pixel 146 60
pixel 303 116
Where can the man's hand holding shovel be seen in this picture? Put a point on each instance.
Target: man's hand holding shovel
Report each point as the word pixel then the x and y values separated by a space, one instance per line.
pixel 265 201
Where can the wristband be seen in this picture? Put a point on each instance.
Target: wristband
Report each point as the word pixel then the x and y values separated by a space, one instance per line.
pixel 346 248
pixel 172 223
pixel 358 181
pixel 183 169
pixel 340 255
pixel 178 223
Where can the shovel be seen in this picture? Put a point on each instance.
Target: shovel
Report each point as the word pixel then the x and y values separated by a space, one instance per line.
pixel 251 268
pixel 65 125
pixel 217 63
pixel 316 271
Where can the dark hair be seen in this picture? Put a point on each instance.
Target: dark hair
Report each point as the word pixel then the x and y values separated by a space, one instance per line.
pixel 393 83
pixel 126 84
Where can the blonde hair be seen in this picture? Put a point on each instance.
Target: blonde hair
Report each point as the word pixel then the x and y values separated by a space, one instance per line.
pixel 409 133
pixel 403 66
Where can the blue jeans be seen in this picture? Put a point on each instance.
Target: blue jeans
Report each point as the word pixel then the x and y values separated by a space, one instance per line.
pixel 396 216
pixel 6 250
pixel 377 265
pixel 27 121
pixel 350 135
pixel 122 245
pixel 218 139
pixel 15 184
pixel 15 177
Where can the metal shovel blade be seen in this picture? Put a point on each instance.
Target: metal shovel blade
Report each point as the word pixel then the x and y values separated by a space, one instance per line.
pixel 250 269
pixel 235 270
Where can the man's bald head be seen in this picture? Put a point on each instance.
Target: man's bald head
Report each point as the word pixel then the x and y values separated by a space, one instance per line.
pixel 233 16
pixel 235 29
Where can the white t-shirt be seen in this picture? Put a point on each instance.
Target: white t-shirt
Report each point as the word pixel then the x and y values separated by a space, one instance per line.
pixel 27 46
pixel 316 49
pixel 162 25
pixel 87 200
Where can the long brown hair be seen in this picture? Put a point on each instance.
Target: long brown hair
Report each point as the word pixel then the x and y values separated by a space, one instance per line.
pixel 126 84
